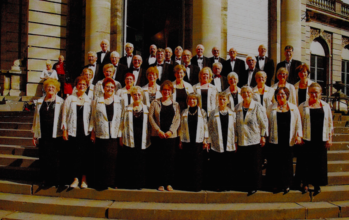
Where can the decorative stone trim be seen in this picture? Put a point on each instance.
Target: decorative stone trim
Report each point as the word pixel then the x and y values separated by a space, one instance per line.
pixel 345 41
pixel 314 33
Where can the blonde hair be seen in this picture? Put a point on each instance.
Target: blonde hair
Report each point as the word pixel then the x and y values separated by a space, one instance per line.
pixel 209 71
pixel 135 89
pixel 152 69
pixel 48 62
pixel 87 69
pixel 224 94
pixel 261 73
pixel 107 66
pixel 178 68
pixel 282 70
pixel 53 82
pixel 194 95
pixel 315 85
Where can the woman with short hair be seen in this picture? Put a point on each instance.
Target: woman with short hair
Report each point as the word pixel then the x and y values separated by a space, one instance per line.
pixel 105 129
pixel 124 93
pixel 88 74
pixel 75 125
pixel 251 129
pixel 317 136
pixel 108 71
pixel 261 92
pixel 282 75
pixel 47 132
pixel 193 135
pixel 206 90
pixel 151 90
pixel 302 85
pixel 182 88
pixel 285 128
pixel 135 140
pixel 164 118
pixel 222 126
pixel 234 91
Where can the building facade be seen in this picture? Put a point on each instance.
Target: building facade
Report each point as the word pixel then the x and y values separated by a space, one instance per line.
pixel 37 30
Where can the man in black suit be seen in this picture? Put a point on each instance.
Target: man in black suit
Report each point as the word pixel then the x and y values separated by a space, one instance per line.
pixel 119 68
pixel 103 57
pixel 265 63
pixel 165 70
pixel 192 75
pixel 127 60
pixel 233 64
pixel 178 55
pixel 219 81
pixel 290 64
pixel 96 68
pixel 151 59
pixel 248 76
pixel 168 56
pixel 200 60
pixel 216 58
pixel 137 70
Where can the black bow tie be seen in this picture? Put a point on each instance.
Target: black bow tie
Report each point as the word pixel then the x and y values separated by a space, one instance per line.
pixel 152 56
pixel 186 66
pixel 136 70
pixel 216 58
pixel 129 55
pixel 103 52
pixel 233 60
pixel 178 59
pixel 116 66
pixel 199 58
pixel 261 58
pixel 91 65
pixel 160 64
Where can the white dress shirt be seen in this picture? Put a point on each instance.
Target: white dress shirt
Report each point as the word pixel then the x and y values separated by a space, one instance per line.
pixel 188 71
pixel 103 55
pixel 217 83
pixel 93 68
pixel 200 62
pixel 216 59
pixel 178 61
pixel 151 60
pixel 250 75
pixel 232 63
pixel 136 74
pixel 129 61
pixel 261 63
pixel 288 65
pixel 160 68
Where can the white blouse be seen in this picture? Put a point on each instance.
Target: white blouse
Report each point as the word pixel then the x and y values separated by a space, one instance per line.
pixel 253 127
pixel 212 93
pixel 201 128
pixel 146 98
pixel 123 96
pixel 268 96
pixel 57 132
pixel 296 86
pixel 187 86
pixel 99 91
pixel 292 97
pixel 327 129
pixel 126 128
pixel 69 118
pixel 295 125
pixel 215 131
pixel 46 75
pixel 90 91
pixel 99 119
pixel 231 100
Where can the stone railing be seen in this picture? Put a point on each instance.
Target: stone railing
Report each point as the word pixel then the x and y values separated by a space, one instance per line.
pixel 345 9
pixel 324 4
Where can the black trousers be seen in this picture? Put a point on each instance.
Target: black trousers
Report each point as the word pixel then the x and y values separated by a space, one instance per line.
pixel 223 170
pixel 49 160
pixel 133 168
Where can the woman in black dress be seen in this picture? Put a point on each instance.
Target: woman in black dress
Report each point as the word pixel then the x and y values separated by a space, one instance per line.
pixel 104 127
pixel 285 130
pixel 182 88
pixel 317 136
pixel 302 86
pixel 47 132
pixel 135 140
pixel 193 141
pixel 75 124
pixel 164 118
pixel 222 125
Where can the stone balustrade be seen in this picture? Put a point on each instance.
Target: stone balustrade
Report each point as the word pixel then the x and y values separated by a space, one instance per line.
pixel 336 6
pixel 345 9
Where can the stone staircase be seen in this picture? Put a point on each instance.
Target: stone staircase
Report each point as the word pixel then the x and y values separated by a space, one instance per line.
pixel 22 198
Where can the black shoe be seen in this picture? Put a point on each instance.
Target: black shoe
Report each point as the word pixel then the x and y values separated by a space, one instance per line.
pixel 317 190
pixel 251 192
pixel 305 189
pixel 287 190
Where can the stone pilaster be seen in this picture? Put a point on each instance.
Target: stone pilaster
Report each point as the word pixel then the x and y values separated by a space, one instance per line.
pixel 117 26
pixel 207 22
pixel 291 26
pixel 274 30
pixel 224 35
pixel 97 23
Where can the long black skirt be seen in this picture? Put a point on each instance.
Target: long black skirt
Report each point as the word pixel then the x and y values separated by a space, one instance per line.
pixel 223 170
pixel 249 170
pixel 280 165
pixel 49 160
pixel 134 168
pixel 191 167
pixel 105 156
pixel 164 152
pixel 311 165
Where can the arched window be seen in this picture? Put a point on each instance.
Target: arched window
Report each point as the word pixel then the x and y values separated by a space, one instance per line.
pixel 345 69
pixel 319 64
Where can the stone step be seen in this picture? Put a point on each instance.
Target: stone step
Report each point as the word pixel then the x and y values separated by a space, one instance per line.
pixel 336 116
pixel 54 205
pixel 16 187
pixel 22 126
pixel 29 151
pixel 34 216
pixel 343 130
pixel 340 146
pixel 19 173
pixel 345 118
pixel 17 119
pixel 22 141
pixel 341 137
pixel 335 155
pixel 338 166
pixel 339 124
pixel 18 161
pixel 338 178
pixel 18 114
pixel 16 133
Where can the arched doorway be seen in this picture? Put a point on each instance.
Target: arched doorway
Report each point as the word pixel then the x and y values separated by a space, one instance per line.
pixel 345 69
pixel 319 67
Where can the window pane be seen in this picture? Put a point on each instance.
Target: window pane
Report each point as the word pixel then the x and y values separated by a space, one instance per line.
pixel 321 62
pixel 312 61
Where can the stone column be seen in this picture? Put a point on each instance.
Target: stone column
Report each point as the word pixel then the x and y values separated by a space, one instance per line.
pixel 117 26
pixel 291 27
pixel 97 24
pixel 207 22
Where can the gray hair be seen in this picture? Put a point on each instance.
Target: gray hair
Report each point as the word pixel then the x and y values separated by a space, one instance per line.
pixel 114 54
pixel 251 56
pixel 92 53
pixel 200 45
pixel 247 88
pixel 233 74
pixel 105 41
pixel 218 64
pixel 135 89
pixel 129 44
pixel 168 48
